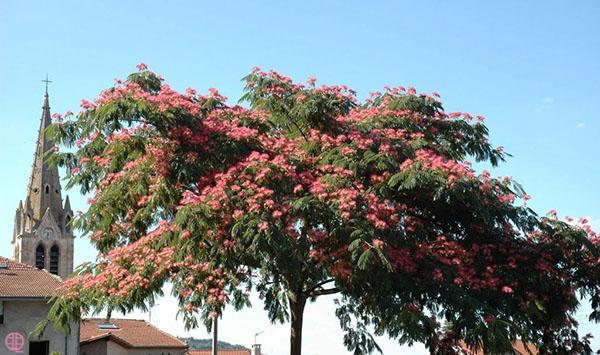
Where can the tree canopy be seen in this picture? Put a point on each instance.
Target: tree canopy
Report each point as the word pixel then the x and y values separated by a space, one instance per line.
pixel 306 191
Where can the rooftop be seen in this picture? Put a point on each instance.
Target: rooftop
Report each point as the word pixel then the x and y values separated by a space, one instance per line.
pixel 20 280
pixel 220 352
pixel 519 347
pixel 130 333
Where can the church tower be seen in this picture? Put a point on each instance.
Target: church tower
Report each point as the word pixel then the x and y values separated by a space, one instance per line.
pixel 42 235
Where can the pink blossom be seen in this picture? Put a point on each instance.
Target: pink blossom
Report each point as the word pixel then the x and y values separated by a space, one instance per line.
pixel 86 105
pixel 378 243
pixel 263 226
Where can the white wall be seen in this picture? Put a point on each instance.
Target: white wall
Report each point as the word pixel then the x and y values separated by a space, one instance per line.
pixel 22 316
pixel 116 349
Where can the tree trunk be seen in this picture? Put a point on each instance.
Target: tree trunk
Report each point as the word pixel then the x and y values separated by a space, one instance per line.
pixel 297 303
pixel 215 337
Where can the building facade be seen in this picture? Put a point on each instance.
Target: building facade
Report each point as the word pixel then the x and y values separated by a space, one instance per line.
pixel 24 294
pixel 42 234
pixel 42 245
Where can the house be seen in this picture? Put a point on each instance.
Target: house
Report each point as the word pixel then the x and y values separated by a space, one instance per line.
pixel 220 352
pixel 127 337
pixel 24 294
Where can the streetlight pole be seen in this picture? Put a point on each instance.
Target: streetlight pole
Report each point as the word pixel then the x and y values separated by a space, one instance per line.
pixel 256 335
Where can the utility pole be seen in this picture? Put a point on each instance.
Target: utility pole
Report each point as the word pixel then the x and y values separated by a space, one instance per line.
pixel 215 344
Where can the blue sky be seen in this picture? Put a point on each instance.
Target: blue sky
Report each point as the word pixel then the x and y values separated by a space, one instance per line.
pixel 530 67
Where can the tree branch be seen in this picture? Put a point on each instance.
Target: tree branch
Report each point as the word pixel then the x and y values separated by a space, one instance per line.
pixel 317 286
pixel 329 291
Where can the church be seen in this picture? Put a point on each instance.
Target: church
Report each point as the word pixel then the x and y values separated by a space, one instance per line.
pixel 42 235
pixel 42 246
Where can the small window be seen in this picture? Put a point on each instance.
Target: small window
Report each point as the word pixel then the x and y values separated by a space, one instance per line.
pixel 40 257
pixel 35 189
pixel 54 258
pixel 1 312
pixel 47 189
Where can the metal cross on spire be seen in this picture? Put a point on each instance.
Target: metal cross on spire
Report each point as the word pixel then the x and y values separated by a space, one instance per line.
pixel 46 81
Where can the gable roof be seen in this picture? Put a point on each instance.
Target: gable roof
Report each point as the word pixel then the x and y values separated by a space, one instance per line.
pixel 130 333
pixel 20 280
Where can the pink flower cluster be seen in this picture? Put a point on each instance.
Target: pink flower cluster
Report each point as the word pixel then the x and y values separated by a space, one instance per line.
pixel 317 189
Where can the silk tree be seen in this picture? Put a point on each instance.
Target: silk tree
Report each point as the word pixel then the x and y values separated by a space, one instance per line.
pixel 306 191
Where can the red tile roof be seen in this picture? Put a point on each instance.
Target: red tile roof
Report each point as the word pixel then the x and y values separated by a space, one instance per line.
pixel 131 333
pixel 22 280
pixel 518 346
pixel 220 352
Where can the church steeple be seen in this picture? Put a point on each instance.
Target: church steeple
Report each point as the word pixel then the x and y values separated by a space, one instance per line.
pixel 44 190
pixel 42 234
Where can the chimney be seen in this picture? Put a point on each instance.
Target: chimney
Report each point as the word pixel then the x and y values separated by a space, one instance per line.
pixel 255 349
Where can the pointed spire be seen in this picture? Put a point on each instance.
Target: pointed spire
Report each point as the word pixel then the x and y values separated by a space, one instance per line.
pixel 20 207
pixel 42 209
pixel 44 185
pixel 67 204
pixel 27 204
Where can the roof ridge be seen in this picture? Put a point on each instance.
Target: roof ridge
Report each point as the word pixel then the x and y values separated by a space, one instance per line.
pixel 4 259
pixel 167 334
pixel 51 274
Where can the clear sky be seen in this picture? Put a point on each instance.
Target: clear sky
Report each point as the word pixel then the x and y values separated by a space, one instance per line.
pixel 532 68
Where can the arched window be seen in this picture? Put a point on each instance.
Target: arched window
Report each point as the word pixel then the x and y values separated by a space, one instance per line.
pixel 47 189
pixel 40 257
pixel 54 257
